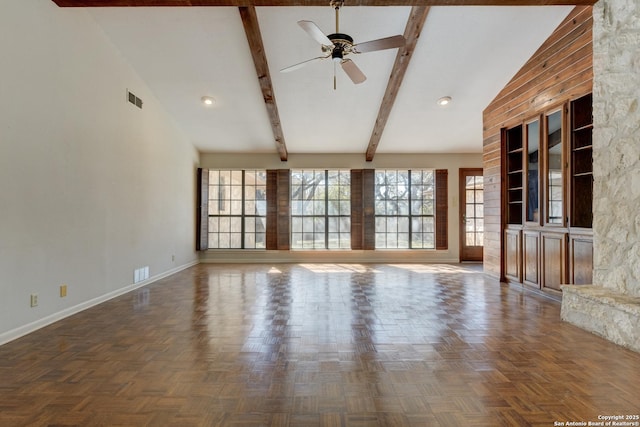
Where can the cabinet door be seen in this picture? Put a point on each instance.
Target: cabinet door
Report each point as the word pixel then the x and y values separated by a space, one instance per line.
pixel 530 252
pixel 532 163
pixel 554 169
pixel 554 260
pixel 513 254
pixel 581 259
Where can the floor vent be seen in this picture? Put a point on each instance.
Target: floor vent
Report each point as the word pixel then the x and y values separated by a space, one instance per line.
pixel 134 100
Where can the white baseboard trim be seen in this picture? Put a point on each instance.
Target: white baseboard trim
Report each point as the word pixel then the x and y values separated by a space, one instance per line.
pixel 52 318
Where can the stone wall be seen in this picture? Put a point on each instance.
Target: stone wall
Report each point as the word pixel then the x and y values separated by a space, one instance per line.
pixel 616 151
pixel 611 306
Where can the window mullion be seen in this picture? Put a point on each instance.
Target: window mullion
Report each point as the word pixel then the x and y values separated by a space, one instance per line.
pixel 242 211
pixel 326 209
pixel 409 238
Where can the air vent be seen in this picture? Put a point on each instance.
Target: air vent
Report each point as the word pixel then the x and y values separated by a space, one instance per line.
pixel 134 99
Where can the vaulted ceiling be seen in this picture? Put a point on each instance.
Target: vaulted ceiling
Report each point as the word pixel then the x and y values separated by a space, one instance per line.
pixel 233 52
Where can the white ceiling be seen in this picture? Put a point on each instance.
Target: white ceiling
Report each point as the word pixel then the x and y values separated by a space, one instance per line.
pixel 468 53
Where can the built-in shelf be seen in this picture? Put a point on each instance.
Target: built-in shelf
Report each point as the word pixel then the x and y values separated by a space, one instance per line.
pixel 589 126
pixel 514 168
pixel 586 147
pixel 581 214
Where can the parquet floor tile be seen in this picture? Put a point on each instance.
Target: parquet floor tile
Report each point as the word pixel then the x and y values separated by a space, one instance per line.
pixel 322 345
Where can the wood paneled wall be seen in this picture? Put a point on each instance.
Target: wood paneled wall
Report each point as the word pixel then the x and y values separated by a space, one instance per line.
pixel 559 71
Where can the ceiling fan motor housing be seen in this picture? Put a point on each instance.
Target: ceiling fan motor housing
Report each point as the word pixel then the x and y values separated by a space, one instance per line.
pixel 342 45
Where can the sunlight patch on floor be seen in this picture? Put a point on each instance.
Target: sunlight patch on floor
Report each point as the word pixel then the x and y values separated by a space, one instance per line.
pixel 336 268
pixel 434 268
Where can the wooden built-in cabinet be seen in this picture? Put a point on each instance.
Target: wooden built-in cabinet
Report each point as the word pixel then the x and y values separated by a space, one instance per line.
pixel 581 192
pixel 547 197
pixel 514 201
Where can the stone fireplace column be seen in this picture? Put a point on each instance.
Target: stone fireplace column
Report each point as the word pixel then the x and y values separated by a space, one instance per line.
pixel 611 306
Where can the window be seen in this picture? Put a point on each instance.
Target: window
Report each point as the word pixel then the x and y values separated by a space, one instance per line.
pixel 404 207
pixel 237 209
pixel 320 209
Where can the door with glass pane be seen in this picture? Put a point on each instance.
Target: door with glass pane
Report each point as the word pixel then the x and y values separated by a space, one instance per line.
pixel 471 214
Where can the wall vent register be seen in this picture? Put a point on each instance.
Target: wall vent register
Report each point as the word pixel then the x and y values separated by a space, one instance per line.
pixel 134 100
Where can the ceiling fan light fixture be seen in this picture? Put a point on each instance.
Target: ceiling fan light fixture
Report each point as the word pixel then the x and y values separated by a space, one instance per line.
pixel 337 54
pixel 208 101
pixel 444 101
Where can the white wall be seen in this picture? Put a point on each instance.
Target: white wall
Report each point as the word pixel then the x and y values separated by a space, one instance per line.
pixel 451 162
pixel 91 187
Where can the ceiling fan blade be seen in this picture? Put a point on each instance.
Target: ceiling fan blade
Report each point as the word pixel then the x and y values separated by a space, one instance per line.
pixel 316 33
pixel 301 64
pixel 379 44
pixel 353 71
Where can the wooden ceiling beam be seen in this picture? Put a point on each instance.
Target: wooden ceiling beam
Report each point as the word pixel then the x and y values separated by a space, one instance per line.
pixel 252 30
pixel 412 32
pixel 256 3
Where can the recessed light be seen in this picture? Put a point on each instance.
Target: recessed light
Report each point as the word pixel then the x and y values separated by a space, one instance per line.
pixel 208 101
pixel 445 100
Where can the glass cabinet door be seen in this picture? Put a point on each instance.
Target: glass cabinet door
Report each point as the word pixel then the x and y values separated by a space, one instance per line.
pixel 533 169
pixel 555 176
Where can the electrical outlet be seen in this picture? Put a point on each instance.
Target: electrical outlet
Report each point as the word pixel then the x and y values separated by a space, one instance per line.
pixel 34 300
pixel 63 291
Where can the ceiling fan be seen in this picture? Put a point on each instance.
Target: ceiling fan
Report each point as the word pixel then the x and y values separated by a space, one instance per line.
pixel 338 45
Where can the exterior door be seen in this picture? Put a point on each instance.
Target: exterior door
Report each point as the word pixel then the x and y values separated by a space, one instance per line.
pixel 471 214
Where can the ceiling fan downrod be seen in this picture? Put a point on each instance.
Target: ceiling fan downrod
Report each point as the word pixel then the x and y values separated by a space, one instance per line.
pixel 337 4
pixel 336 54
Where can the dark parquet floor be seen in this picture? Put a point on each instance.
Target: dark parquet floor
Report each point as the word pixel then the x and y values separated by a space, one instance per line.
pixel 317 345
